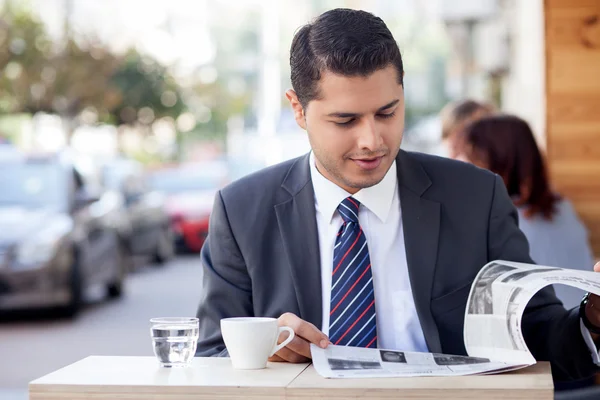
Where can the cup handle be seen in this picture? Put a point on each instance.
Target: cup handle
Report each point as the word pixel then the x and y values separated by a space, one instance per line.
pixel 286 341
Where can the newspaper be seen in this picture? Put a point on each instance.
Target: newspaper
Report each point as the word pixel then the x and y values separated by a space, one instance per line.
pixel 492 329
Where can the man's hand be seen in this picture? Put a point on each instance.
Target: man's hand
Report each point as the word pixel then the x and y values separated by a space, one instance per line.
pixel 592 309
pixel 298 350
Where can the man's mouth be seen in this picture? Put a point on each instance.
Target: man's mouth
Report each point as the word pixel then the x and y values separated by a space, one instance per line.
pixel 368 163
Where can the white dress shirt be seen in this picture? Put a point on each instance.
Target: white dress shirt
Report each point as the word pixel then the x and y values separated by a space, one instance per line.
pixel 398 325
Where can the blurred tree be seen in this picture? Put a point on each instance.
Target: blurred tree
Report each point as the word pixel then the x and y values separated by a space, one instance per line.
pixel 82 75
pixel 24 49
pixel 140 91
pixel 38 76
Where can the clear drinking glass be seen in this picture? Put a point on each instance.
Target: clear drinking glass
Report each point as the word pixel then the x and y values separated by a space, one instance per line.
pixel 174 340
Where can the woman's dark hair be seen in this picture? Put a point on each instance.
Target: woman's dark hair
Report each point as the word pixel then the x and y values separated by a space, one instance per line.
pixel 345 42
pixel 505 145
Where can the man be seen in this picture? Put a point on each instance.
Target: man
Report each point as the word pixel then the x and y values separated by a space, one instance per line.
pixel 359 243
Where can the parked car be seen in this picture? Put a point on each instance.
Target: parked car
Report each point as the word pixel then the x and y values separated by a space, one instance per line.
pixel 148 231
pixel 57 238
pixel 190 194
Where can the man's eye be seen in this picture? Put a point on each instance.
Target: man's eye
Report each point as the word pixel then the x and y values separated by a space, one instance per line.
pixel 346 123
pixel 384 116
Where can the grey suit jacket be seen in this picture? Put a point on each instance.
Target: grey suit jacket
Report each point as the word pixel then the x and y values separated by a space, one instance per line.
pixel 261 257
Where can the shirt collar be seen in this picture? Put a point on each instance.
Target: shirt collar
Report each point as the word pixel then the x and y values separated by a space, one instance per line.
pixel 377 198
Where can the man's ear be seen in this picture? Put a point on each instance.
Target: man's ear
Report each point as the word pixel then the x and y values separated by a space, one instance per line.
pixel 297 107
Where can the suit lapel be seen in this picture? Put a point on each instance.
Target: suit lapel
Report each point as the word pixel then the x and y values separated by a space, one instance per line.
pixel 297 222
pixel 421 225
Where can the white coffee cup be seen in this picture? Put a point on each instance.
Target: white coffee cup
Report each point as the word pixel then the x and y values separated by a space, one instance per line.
pixel 251 341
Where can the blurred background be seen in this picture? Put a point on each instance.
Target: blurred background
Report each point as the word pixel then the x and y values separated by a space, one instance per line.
pixel 119 119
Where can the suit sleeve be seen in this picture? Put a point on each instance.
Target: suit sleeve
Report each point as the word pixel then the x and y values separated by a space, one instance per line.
pixel 551 333
pixel 226 284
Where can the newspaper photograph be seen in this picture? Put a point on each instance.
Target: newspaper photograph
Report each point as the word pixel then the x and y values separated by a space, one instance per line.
pixel 492 329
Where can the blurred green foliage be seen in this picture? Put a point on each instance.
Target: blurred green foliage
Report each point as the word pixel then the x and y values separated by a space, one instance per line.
pixel 39 75
pixel 137 82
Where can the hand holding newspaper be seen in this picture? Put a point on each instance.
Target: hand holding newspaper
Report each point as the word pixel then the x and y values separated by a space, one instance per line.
pixel 492 329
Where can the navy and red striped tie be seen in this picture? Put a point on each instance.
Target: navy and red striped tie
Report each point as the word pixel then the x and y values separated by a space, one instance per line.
pixel 352 319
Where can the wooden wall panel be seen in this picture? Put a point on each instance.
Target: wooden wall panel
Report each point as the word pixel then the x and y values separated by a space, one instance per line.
pixel 572 40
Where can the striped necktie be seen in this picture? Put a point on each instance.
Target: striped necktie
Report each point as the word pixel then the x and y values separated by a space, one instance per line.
pixel 352 320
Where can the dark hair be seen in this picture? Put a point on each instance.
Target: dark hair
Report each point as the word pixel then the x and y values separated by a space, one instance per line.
pixel 505 145
pixel 345 42
pixel 457 114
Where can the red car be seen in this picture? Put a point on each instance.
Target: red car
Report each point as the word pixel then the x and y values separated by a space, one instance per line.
pixel 190 194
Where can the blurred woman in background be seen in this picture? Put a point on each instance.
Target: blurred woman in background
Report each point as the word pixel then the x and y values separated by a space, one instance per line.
pixel 456 115
pixel 505 145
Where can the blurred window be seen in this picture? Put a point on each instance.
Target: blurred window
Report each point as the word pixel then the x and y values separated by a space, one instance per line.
pixel 33 185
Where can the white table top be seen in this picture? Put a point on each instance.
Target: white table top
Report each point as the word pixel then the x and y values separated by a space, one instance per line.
pixel 115 377
pixel 132 378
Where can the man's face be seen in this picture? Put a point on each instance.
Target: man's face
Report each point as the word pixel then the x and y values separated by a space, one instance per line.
pixel 355 128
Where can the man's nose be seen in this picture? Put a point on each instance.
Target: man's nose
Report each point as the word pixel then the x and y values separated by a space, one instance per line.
pixel 369 135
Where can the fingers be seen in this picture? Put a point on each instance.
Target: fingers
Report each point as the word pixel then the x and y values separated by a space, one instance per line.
pixel 298 346
pixel 276 358
pixel 304 329
pixel 291 356
pixel 298 350
pixel 597 267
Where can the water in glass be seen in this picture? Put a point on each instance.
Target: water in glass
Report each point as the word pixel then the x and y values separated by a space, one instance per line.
pixel 174 342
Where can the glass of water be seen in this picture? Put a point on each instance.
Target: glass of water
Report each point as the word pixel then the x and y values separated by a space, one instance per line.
pixel 174 340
